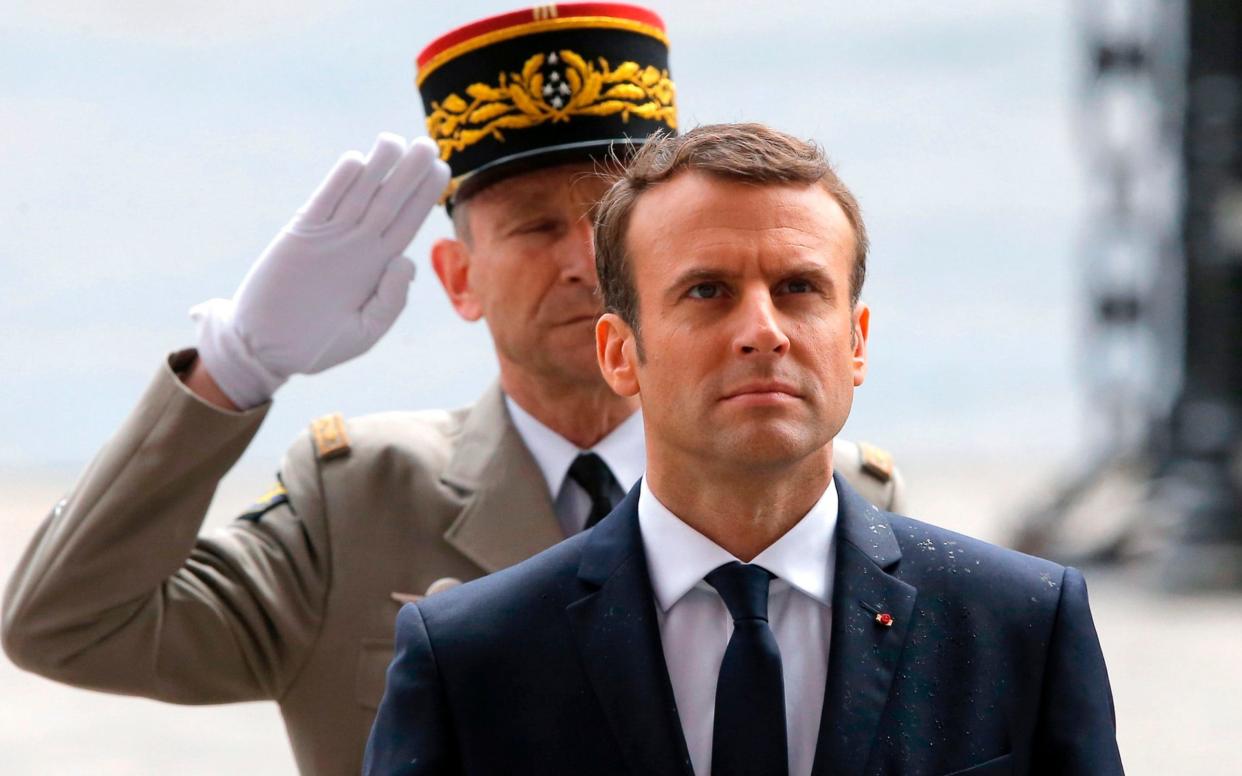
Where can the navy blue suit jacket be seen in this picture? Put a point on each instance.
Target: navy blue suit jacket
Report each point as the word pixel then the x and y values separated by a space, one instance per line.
pixel 991 664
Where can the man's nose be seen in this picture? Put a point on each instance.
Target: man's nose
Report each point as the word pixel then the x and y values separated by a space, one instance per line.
pixel 578 260
pixel 761 331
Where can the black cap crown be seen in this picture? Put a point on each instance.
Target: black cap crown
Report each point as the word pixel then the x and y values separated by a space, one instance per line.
pixel 543 86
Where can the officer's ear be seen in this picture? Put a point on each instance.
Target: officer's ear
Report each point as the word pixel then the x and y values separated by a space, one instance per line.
pixel 451 261
pixel 616 349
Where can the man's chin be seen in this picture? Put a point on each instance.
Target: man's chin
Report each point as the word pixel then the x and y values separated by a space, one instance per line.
pixel 770 444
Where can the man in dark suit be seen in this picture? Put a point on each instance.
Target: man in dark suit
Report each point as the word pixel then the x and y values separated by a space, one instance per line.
pixel 743 610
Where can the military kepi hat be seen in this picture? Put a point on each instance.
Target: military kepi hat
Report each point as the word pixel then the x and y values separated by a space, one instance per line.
pixel 545 85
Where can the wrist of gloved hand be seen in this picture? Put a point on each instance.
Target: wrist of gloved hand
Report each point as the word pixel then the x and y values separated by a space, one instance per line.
pixel 228 359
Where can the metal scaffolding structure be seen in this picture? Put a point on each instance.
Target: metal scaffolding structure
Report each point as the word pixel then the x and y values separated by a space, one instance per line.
pixel 1161 120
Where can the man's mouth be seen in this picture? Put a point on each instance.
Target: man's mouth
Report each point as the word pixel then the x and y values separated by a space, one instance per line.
pixel 761 390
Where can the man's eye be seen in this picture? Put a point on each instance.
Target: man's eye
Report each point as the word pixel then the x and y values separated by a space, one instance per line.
pixel 798 286
pixel 704 291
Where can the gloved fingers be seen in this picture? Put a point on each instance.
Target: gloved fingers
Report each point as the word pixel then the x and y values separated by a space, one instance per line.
pixel 401 183
pixel 415 209
pixel 382 309
pixel 318 209
pixel 364 327
pixel 386 152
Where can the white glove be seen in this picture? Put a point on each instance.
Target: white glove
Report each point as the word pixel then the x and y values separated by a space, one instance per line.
pixel 332 282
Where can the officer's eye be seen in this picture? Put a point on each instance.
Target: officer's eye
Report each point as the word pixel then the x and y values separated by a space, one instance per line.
pixel 704 291
pixel 539 226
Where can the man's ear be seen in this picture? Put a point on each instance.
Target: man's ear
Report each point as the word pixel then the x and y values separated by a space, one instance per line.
pixel 616 349
pixel 862 326
pixel 451 261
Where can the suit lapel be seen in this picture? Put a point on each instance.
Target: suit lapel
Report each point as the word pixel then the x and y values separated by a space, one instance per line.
pixel 864 654
pixel 619 639
pixel 507 516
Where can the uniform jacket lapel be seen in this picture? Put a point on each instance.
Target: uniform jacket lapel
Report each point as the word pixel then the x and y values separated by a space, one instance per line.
pixel 619 639
pixel 507 516
pixel 864 653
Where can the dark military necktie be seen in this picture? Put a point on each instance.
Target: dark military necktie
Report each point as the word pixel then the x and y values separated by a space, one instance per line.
pixel 590 471
pixel 748 737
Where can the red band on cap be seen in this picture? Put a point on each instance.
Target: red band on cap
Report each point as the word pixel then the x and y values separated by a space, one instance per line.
pixel 538 13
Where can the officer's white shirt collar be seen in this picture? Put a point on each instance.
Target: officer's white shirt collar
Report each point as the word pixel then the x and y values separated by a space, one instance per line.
pixel 679 557
pixel 624 449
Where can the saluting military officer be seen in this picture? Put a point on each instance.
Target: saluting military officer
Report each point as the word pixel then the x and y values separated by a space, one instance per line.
pixel 295 600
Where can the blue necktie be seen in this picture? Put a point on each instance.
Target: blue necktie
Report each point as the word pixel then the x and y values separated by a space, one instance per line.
pixel 748 737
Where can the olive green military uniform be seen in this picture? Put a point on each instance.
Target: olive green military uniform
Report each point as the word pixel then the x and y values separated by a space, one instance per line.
pixel 296 600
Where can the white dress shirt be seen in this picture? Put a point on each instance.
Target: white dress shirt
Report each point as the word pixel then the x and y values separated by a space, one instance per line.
pixel 624 450
pixel 695 625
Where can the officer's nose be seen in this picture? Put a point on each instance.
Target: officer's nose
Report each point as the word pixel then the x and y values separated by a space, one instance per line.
pixel 759 330
pixel 578 263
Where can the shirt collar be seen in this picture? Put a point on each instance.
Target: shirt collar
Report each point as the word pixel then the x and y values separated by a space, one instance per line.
pixel 679 557
pixel 624 449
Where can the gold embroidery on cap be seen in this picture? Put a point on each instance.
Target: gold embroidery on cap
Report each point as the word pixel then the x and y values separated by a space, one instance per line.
pixel 526 99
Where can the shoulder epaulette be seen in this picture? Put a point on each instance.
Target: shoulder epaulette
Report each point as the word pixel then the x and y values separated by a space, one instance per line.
pixel 876 462
pixel 267 502
pixel 330 437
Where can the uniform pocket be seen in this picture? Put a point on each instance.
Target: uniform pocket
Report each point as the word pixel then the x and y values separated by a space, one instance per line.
pixel 374 655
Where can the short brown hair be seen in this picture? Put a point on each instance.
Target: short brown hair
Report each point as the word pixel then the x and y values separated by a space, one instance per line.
pixel 745 152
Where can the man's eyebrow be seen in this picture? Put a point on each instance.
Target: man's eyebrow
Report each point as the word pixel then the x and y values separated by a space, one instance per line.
pixel 522 210
pixel 700 275
pixel 693 275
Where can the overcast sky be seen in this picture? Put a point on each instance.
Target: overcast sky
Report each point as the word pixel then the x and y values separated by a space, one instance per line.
pixel 149 152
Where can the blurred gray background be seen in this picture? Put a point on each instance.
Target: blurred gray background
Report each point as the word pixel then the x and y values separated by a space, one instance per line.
pixel 149 150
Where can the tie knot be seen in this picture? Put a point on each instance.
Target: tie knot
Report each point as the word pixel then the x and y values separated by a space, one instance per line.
pixel 744 588
pixel 590 471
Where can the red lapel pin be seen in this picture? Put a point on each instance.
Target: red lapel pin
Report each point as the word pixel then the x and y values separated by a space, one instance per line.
pixel 881 617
